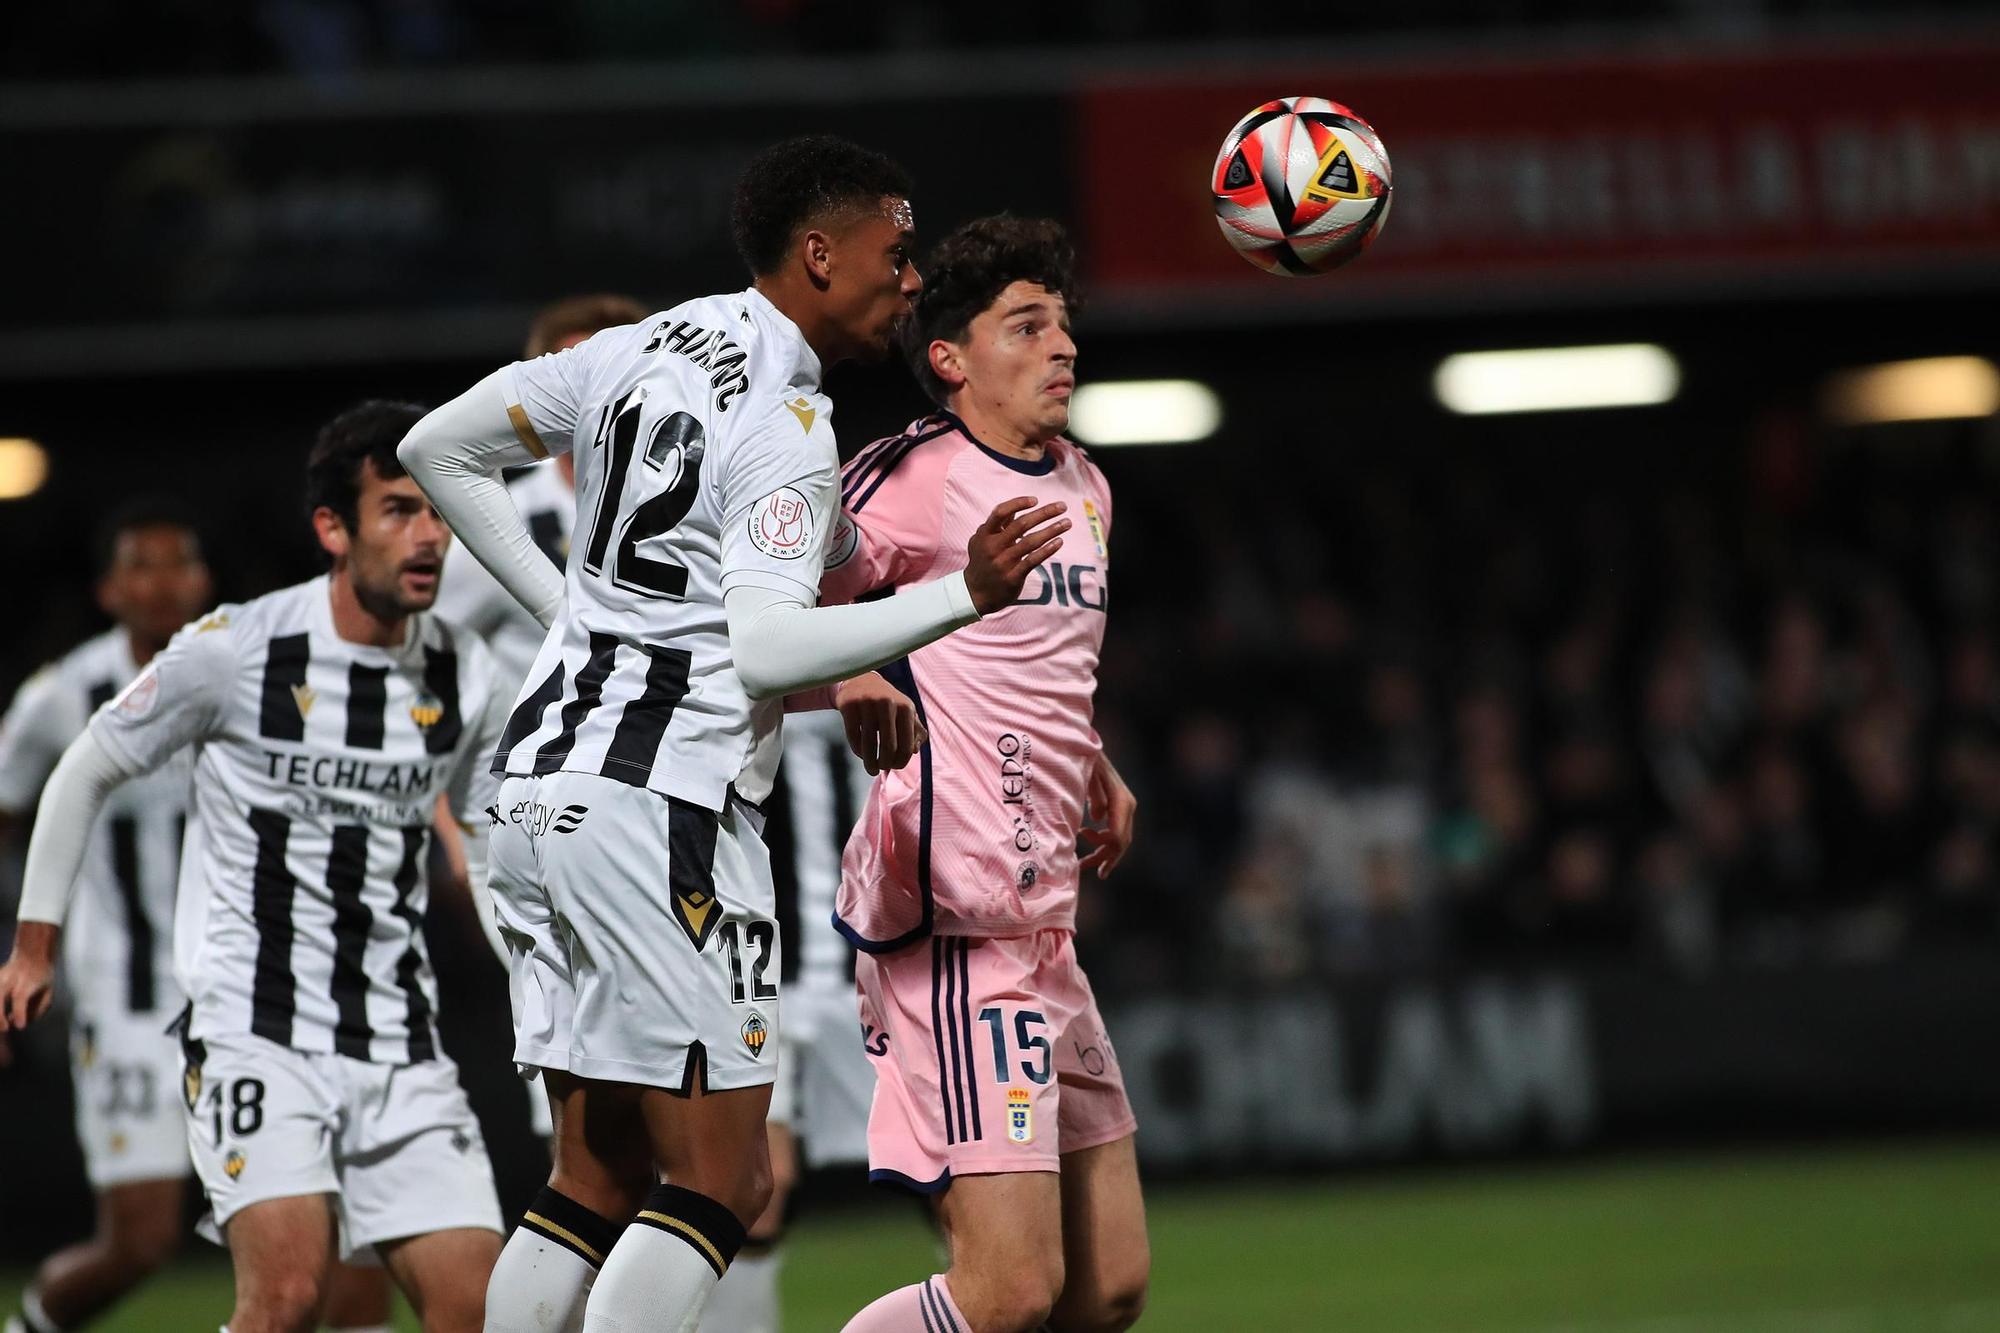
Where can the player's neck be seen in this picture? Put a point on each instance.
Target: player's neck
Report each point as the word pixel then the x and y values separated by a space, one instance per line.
pixel 355 623
pixel 141 646
pixel 801 307
pixel 1000 436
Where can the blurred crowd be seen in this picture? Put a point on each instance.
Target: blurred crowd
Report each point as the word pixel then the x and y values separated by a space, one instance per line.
pixel 93 39
pixel 1462 714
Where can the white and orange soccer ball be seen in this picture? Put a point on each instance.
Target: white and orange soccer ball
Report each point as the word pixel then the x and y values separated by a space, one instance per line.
pixel 1301 186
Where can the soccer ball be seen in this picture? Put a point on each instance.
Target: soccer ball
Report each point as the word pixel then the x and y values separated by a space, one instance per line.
pixel 1301 186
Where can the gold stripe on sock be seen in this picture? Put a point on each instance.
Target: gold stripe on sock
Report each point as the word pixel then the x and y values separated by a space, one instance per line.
pixel 701 1242
pixel 564 1234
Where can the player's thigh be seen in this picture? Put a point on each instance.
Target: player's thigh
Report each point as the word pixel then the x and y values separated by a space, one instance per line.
pixel 141 1219
pixel 282 1251
pixel 601 1155
pixel 714 1143
pixel 1107 1260
pixel 1005 1236
pixel 444 1273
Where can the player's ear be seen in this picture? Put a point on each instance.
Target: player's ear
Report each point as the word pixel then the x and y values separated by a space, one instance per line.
pixel 816 248
pixel 946 363
pixel 331 530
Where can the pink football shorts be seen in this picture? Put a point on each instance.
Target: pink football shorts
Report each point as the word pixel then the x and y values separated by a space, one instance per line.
pixel 989 1056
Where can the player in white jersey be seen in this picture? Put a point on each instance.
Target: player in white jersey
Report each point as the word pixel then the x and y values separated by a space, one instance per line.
pixel 119 958
pixel 324 719
pixel 629 877
pixel 473 599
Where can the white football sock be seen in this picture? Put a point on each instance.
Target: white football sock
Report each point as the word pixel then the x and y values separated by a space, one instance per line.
pixel 663 1269
pixel 545 1271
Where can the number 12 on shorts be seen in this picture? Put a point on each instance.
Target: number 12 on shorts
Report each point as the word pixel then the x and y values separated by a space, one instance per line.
pixel 1025 1041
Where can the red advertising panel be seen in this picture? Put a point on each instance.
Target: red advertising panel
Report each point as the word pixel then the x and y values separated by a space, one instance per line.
pixel 1610 175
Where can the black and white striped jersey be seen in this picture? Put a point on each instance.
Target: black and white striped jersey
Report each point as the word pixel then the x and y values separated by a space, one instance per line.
pixel 118 948
pixel 472 599
pixel 704 461
pixel 317 765
pixel 819 795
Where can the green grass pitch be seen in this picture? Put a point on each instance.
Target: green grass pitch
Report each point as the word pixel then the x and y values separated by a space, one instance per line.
pixel 1881 1239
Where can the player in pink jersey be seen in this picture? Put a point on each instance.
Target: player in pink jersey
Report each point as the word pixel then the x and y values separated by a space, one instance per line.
pixel 997 1090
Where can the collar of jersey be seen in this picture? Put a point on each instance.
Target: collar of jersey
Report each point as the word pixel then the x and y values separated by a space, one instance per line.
pixel 806 370
pixel 1035 468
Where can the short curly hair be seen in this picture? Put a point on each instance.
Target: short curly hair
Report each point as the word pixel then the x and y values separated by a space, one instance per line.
pixel 966 273
pixel 368 431
pixel 798 182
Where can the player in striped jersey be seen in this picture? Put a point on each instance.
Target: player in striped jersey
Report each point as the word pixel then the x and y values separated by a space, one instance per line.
pixel 630 878
pixel 119 958
pixel 324 719
pixel 472 599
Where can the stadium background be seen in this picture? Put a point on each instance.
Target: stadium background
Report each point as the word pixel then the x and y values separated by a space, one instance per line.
pixel 1567 892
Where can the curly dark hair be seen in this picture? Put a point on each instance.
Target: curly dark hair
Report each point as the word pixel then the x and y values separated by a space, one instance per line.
pixel 140 514
pixel 798 182
pixel 367 432
pixel 966 273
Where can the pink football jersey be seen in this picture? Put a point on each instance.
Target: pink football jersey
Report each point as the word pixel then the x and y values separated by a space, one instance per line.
pixel 977 836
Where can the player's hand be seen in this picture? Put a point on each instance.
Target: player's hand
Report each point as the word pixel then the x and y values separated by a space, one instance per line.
pixel 27 978
pixel 1013 540
pixel 883 729
pixel 1110 811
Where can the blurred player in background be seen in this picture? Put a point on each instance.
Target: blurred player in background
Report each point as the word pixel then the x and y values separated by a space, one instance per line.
pixel 998 1091
pixel 630 877
pixel 322 1115
pixel 119 952
pixel 472 599
pixel 819 1103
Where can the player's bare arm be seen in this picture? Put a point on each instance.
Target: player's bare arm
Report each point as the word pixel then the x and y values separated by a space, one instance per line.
pixel 1112 810
pixel 883 728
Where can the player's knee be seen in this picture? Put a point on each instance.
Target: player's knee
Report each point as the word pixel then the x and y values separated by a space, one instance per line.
pixel 458 1308
pixel 1112 1308
pixel 280 1303
pixel 1020 1298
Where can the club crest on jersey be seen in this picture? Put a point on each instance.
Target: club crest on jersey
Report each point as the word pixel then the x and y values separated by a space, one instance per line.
pixel 1020 1116
pixel 1096 522
pixel 119 1143
pixel 232 1165
pixel 755 1034
pixel 427 711
pixel 304 696
pixel 781 524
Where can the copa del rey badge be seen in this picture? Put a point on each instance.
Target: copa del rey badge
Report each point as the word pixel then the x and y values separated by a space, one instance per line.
pixel 781 524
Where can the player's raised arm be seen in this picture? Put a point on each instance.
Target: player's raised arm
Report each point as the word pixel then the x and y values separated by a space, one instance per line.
pixel 173 701
pixel 515 415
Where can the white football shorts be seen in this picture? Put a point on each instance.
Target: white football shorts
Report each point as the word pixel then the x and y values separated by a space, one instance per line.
pixel 397 1146
pixel 642 933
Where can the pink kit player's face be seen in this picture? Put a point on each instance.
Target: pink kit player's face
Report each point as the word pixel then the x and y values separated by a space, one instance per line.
pixel 1019 361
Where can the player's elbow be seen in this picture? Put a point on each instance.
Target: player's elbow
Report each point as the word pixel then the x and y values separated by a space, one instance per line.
pixel 759 681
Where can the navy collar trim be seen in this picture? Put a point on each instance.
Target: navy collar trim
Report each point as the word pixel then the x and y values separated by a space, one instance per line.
pixel 1035 468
